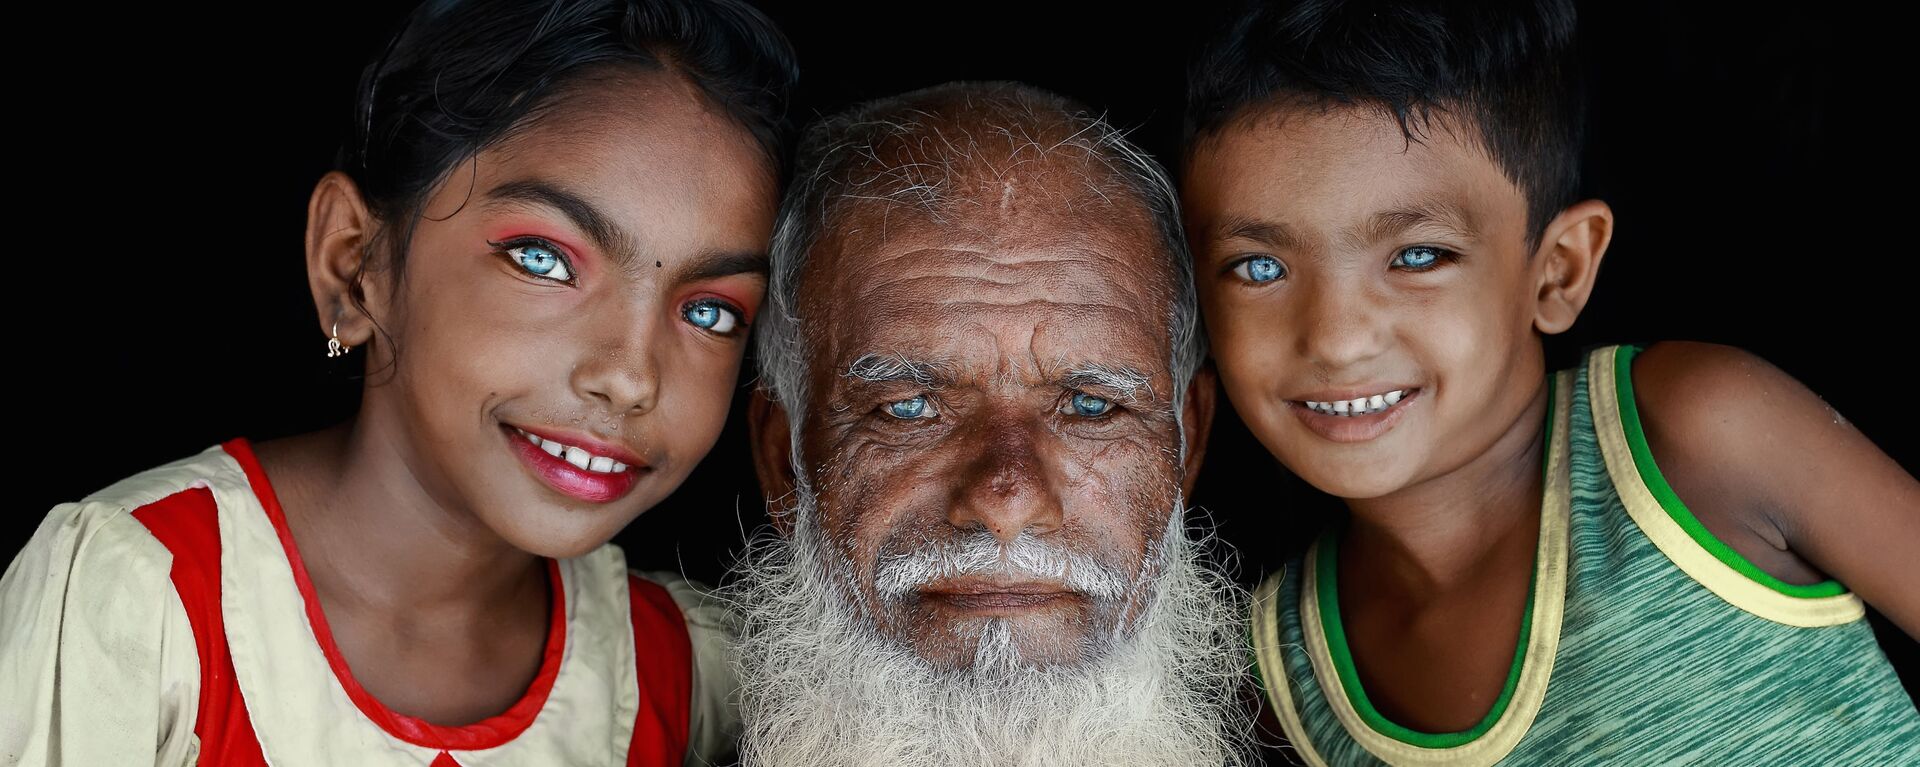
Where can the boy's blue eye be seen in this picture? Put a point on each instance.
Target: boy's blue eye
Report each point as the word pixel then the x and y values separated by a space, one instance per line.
pixel 1418 258
pixel 1088 406
pixel 540 261
pixel 711 316
pixel 1260 269
pixel 908 409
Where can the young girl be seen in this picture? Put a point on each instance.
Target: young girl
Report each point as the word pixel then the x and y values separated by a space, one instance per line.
pixel 547 240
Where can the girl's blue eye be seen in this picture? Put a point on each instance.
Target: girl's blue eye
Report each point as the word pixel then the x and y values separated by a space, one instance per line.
pixel 540 261
pixel 1089 406
pixel 711 316
pixel 1260 269
pixel 908 409
pixel 1418 258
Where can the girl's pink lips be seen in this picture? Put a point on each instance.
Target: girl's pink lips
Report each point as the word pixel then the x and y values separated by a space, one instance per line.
pixel 584 442
pixel 571 480
pixel 1352 428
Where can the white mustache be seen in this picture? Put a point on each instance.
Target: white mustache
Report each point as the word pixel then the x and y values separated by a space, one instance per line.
pixel 979 553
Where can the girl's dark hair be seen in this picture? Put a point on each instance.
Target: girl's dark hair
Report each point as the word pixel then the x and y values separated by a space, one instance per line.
pixel 461 75
pixel 1507 69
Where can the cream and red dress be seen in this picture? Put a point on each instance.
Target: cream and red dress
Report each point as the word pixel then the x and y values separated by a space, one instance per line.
pixel 168 619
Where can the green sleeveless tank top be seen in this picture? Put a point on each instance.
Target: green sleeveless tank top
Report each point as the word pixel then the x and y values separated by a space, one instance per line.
pixel 1646 640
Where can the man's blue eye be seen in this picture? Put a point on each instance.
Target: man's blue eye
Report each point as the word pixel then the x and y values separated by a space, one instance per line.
pixel 540 261
pixel 1418 258
pixel 1089 406
pixel 908 409
pixel 1260 269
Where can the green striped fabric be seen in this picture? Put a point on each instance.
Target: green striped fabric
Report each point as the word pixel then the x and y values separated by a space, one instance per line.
pixel 1652 664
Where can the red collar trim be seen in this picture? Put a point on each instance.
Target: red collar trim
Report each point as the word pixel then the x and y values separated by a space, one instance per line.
pixel 491 732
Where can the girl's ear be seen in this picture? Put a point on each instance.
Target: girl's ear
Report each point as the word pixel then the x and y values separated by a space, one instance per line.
pixel 340 238
pixel 1568 262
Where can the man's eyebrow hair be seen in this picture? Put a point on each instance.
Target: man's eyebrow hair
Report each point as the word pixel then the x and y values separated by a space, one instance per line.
pixel 726 264
pixel 606 235
pixel 1272 233
pixel 1392 221
pixel 883 368
pixel 1131 384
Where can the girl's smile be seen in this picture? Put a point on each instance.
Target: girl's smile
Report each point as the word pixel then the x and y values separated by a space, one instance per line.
pixel 577 466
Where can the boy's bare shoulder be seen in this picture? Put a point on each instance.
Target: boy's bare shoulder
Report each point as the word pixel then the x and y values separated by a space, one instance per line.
pixel 1726 421
pixel 1731 371
pixel 1740 439
pixel 1778 474
pixel 1727 402
pixel 1725 428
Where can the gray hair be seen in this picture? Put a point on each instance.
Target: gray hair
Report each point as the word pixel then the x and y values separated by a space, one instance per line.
pixel 936 132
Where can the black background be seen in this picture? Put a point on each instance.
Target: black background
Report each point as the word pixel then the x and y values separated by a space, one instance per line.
pixel 168 153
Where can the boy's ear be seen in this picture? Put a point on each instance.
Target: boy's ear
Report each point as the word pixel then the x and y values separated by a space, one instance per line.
pixel 1196 419
pixel 1567 263
pixel 340 232
pixel 772 441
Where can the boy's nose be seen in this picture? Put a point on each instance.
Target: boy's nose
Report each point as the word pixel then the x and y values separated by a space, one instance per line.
pixel 1339 327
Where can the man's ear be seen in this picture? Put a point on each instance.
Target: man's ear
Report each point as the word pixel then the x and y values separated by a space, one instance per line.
pixel 772 454
pixel 340 232
pixel 1568 262
pixel 1197 421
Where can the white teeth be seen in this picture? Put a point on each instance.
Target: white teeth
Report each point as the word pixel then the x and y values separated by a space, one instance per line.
pixel 1359 405
pixel 573 455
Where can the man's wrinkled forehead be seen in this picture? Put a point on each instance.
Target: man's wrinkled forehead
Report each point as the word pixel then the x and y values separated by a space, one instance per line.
pixel 997 290
pixel 978 161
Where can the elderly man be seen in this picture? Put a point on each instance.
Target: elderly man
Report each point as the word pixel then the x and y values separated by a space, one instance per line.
pixel 980 359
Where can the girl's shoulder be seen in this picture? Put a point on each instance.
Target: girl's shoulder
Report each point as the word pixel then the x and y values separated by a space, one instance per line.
pixel 711 627
pixel 92 626
pixel 125 529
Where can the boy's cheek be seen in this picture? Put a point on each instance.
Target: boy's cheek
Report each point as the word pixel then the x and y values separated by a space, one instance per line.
pixel 1248 349
pixel 1251 383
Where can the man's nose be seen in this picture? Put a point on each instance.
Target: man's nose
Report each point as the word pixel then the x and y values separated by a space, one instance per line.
pixel 1007 486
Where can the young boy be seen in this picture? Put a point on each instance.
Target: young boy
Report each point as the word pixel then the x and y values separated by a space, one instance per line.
pixel 1638 561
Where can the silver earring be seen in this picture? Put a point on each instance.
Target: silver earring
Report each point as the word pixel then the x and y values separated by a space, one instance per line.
pixel 334 347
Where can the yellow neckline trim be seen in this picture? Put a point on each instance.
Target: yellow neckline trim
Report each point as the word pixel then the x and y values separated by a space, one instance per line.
pixel 1543 642
pixel 1672 540
pixel 1273 669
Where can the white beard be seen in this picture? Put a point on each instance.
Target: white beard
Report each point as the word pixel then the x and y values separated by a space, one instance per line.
pixel 822 687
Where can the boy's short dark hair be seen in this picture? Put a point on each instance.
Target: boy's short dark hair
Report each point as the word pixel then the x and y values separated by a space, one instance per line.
pixel 1507 70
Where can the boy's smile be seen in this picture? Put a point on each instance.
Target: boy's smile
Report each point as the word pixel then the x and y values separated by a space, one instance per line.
pixel 1347 417
pixel 1370 300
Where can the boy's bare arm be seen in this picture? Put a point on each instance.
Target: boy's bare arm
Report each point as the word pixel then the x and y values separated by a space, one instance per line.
pixel 1780 476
